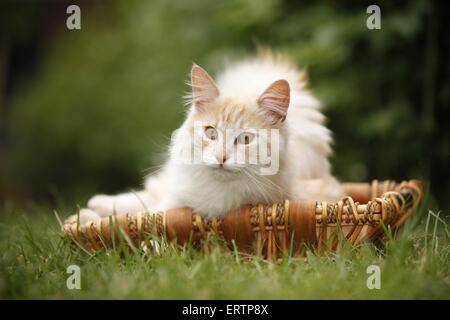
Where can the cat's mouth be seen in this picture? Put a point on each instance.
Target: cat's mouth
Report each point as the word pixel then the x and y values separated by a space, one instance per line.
pixel 223 169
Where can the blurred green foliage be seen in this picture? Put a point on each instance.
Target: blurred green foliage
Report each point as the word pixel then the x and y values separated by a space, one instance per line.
pixel 104 100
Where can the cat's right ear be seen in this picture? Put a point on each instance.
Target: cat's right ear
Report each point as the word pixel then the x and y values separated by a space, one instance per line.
pixel 204 89
pixel 275 101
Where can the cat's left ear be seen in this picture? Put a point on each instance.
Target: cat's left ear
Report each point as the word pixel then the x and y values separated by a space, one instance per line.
pixel 204 89
pixel 275 100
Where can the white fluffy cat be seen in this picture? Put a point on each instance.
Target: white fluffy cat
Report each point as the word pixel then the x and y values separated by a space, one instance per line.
pixel 266 92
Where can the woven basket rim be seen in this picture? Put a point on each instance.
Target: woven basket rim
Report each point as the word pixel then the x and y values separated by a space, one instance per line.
pixel 269 228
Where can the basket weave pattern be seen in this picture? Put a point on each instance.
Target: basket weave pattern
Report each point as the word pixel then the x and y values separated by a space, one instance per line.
pixel 268 229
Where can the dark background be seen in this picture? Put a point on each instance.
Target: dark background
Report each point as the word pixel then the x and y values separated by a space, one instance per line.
pixel 91 110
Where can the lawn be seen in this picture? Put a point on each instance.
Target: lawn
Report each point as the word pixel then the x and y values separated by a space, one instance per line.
pixel 34 261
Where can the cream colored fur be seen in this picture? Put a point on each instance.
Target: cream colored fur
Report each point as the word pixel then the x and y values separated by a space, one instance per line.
pixel 238 100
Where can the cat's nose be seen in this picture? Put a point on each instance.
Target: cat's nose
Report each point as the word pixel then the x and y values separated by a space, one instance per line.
pixel 221 158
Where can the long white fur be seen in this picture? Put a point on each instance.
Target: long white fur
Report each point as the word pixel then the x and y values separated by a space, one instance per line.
pixel 305 172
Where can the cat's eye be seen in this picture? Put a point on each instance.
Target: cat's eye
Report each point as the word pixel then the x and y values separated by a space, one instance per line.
pixel 211 133
pixel 245 138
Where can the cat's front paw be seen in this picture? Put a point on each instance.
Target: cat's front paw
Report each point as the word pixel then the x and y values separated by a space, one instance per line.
pixel 83 216
pixel 104 205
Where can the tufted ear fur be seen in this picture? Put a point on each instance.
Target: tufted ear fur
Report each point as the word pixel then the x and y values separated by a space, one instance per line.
pixel 274 101
pixel 204 89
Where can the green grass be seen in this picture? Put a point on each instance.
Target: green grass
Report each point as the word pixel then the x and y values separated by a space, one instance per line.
pixel 34 259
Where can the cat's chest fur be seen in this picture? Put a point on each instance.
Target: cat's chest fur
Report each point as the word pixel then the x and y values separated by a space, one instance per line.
pixel 214 195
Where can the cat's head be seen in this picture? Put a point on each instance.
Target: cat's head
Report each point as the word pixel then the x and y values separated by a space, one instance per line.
pixel 232 136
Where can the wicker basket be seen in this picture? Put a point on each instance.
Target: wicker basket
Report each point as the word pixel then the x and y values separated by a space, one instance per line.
pixel 267 229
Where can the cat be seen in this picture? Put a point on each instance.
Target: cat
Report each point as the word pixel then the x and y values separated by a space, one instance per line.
pixel 231 118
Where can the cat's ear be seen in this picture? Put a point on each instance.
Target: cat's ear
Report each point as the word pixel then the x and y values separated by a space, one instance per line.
pixel 204 89
pixel 275 100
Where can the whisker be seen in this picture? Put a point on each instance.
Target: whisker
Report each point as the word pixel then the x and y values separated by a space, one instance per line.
pixel 267 197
